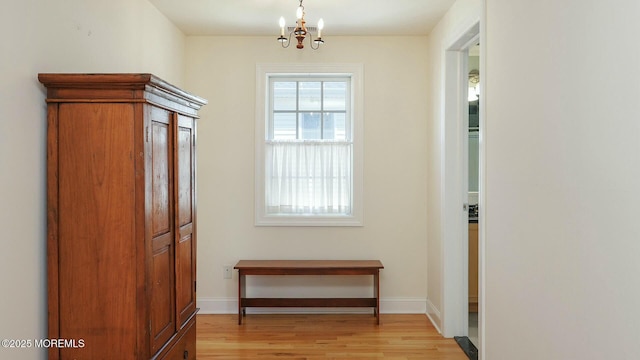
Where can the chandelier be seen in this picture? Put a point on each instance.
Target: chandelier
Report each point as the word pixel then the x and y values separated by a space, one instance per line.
pixel 300 31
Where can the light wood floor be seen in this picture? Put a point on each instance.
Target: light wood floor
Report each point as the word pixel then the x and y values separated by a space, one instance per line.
pixel 314 337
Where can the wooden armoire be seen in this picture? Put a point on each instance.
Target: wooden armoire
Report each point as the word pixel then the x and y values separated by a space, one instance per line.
pixel 121 216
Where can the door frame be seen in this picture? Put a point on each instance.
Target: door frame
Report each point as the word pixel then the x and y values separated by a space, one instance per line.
pixel 455 319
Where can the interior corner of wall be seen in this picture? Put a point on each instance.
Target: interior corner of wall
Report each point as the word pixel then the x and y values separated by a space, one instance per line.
pixel 434 315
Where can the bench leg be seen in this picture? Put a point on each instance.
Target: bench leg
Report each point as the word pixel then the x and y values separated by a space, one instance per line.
pixel 376 294
pixel 241 294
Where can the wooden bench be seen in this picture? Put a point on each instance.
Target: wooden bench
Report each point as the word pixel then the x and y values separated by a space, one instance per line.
pixel 308 267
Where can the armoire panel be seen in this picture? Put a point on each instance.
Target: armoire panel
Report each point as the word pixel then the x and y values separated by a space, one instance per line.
pixel 161 171
pixel 185 182
pixel 96 221
pixel 162 314
pixel 185 296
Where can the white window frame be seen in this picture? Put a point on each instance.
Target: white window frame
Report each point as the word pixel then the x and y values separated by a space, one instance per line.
pixel 263 74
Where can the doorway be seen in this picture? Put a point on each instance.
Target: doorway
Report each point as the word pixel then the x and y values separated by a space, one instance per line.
pixel 455 205
pixel 473 146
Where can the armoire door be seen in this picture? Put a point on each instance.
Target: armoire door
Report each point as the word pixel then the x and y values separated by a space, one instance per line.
pixel 185 218
pixel 162 310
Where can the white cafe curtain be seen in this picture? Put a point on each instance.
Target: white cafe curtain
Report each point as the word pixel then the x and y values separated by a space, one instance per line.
pixel 308 177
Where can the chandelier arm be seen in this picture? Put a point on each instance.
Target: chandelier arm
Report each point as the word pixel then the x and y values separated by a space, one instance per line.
pixel 311 41
pixel 318 41
pixel 285 40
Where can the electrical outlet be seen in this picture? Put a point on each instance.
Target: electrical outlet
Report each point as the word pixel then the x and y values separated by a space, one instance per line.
pixel 227 272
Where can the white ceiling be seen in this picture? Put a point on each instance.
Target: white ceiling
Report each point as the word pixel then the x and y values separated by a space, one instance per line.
pixel 341 17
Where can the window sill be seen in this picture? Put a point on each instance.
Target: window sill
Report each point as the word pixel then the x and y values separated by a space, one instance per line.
pixel 308 220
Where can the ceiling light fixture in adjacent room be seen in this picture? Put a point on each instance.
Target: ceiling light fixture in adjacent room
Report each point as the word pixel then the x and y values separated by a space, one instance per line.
pixel 300 31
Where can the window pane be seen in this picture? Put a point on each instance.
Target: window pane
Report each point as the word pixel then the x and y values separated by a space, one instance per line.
pixel 284 95
pixel 310 95
pixel 328 128
pixel 335 95
pixel 335 127
pixel 284 126
pixel 310 126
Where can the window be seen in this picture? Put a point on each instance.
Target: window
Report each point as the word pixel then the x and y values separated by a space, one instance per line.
pixel 309 146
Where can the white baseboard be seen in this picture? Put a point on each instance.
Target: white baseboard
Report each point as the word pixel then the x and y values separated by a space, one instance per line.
pixel 434 315
pixel 217 305
pixel 387 306
pixel 402 306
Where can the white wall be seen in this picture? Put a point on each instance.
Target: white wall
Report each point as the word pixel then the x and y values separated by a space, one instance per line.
pixel 56 36
pixel 562 232
pixel 223 70
pixel 460 17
